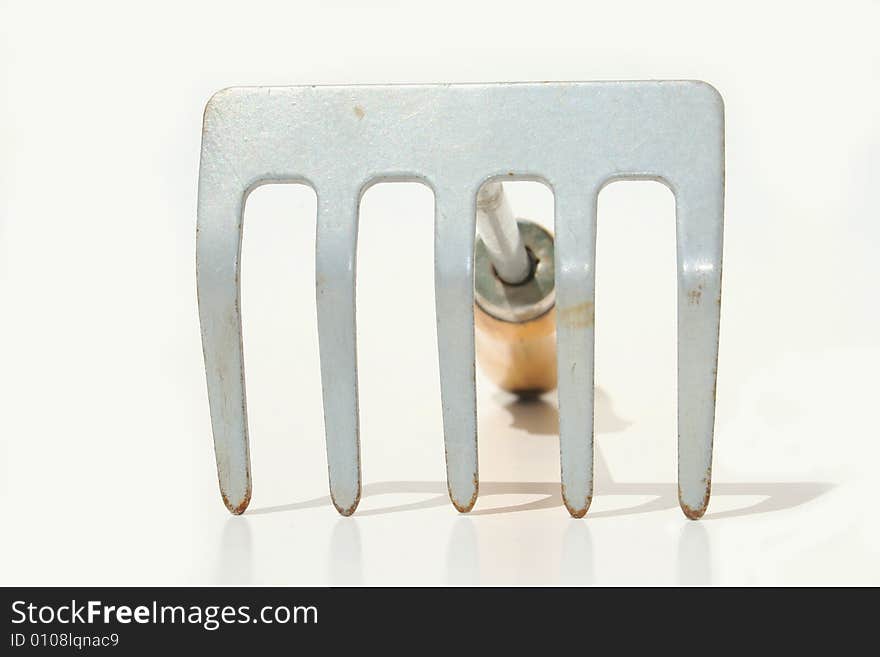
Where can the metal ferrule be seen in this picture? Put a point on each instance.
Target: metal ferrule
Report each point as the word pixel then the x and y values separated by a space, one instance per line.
pixel 523 301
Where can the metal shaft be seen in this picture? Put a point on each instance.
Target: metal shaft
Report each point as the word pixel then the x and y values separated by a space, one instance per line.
pixel 499 232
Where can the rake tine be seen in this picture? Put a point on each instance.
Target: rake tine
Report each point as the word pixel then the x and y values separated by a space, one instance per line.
pixel 218 248
pixel 699 225
pixel 335 271
pixel 575 297
pixel 454 296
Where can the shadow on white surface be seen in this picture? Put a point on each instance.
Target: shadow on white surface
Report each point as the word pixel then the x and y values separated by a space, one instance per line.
pixel 540 417
pixel 692 546
pixel 777 496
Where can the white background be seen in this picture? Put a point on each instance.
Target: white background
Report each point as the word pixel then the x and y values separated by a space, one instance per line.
pixel 108 472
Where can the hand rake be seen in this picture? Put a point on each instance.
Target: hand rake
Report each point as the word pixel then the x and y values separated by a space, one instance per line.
pixel 532 295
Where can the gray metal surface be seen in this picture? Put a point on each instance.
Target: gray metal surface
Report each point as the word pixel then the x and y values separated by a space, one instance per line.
pixel 576 137
pixel 523 301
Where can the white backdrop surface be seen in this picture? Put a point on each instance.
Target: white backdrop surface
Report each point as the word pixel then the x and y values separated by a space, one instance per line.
pixel 108 473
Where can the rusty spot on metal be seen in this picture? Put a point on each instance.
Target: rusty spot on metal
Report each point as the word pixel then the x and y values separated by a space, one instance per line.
pixel 696 295
pixel 576 513
pixel 359 111
pixel 579 316
pixel 697 513
pixel 470 505
pixel 239 509
pixel 347 511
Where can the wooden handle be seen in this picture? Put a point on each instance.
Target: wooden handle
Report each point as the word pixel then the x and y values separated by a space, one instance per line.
pixel 518 356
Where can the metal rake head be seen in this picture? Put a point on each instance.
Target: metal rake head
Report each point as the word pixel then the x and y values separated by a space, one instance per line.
pixel 576 137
